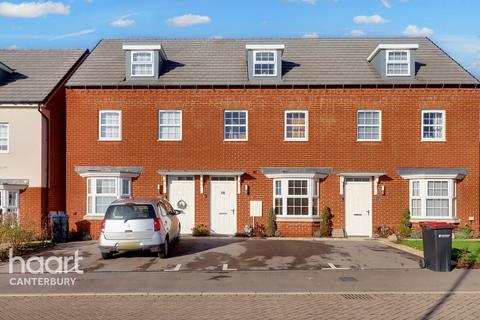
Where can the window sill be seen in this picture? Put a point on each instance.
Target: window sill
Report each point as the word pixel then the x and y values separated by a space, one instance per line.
pixel 93 217
pixel 434 140
pixel 297 219
pixel 432 219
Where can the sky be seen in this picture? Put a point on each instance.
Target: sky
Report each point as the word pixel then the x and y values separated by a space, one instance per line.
pixel 453 25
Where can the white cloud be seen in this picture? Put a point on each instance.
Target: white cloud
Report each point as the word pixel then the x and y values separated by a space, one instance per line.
pixel 73 34
pixel 216 37
pixel 188 20
pixel 32 9
pixel 386 3
pixel 13 47
pixel 305 1
pixel 357 33
pixel 375 19
pixel 414 31
pixel 311 35
pixel 122 23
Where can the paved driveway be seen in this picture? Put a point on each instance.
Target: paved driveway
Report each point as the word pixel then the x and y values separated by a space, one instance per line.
pixel 229 254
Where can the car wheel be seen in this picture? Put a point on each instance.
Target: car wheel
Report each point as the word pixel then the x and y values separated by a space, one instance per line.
pixel 165 250
pixel 106 255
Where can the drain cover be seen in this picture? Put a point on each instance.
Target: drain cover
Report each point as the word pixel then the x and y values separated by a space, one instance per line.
pixel 346 279
pixel 357 296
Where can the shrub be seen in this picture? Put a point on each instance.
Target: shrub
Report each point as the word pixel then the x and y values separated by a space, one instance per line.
pixel 14 237
pixel 384 231
pixel 466 259
pixel 466 231
pixel 270 224
pixel 326 223
pixel 259 231
pixel 405 224
pixel 248 229
pixel 278 234
pixel 200 230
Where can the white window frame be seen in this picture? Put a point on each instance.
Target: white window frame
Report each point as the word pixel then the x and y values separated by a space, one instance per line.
pixel 285 125
pixel 444 127
pixel 100 138
pixel 5 206
pixel 388 61
pixel 119 194
pixel 236 125
pixel 423 197
pixel 367 125
pixel 169 125
pixel 152 63
pixel 8 137
pixel 274 63
pixel 313 195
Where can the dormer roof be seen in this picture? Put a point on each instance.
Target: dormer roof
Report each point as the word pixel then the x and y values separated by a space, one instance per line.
pixel 392 46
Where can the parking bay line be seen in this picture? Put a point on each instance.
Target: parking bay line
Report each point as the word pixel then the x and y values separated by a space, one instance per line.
pixel 177 268
pixel 333 267
pixel 225 268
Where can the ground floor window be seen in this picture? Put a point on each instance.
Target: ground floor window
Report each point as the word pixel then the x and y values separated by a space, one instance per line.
pixel 9 205
pixel 432 198
pixel 295 197
pixel 101 192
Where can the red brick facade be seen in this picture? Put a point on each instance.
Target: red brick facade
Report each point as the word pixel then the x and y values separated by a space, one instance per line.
pixel 331 143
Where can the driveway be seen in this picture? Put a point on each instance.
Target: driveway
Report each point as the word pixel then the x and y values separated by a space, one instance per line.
pixel 230 254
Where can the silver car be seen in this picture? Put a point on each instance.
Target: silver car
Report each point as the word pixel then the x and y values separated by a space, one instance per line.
pixel 132 225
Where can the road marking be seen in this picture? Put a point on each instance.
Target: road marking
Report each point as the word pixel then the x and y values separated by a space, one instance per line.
pixel 225 268
pixel 177 267
pixel 333 267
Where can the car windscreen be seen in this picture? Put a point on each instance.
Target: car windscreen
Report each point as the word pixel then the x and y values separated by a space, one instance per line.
pixel 128 212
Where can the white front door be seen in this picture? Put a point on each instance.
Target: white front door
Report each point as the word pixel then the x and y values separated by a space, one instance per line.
pixel 358 207
pixel 181 194
pixel 223 205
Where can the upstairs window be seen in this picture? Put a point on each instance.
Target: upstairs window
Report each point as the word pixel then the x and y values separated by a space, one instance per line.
pixel 110 125
pixel 296 125
pixel 142 64
pixel 235 125
pixel 369 125
pixel 4 138
pixel 433 125
pixel 170 125
pixel 265 63
pixel 398 62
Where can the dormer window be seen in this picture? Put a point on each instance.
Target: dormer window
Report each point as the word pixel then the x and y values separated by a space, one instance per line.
pixel 265 63
pixel 142 64
pixel 143 61
pixel 394 61
pixel 398 62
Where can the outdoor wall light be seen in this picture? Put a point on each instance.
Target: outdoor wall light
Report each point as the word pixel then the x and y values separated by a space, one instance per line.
pixel 245 189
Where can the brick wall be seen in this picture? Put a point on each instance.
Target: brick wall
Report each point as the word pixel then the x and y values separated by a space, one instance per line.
pixel 32 210
pixel 332 142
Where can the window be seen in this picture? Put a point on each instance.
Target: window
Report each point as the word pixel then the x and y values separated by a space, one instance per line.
pixel 296 197
pixel 170 125
pixel 110 125
pixel 296 125
pixel 4 138
pixel 9 206
pixel 235 125
pixel 101 192
pixel 433 125
pixel 142 64
pixel 432 198
pixel 369 125
pixel 398 62
pixel 265 63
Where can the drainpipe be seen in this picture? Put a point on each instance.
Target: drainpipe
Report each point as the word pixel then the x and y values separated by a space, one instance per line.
pixel 47 180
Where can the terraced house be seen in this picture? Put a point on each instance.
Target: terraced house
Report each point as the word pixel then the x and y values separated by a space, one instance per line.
pixel 227 129
pixel 32 133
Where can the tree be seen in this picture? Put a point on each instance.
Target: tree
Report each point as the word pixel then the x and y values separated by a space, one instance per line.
pixel 405 224
pixel 326 222
pixel 271 224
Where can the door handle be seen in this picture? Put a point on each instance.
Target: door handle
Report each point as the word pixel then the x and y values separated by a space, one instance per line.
pixel 368 212
pixel 233 211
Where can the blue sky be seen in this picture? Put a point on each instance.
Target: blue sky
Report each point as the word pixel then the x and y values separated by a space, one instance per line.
pixel 454 25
